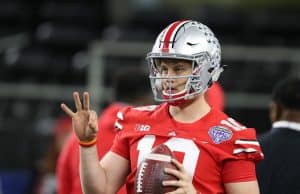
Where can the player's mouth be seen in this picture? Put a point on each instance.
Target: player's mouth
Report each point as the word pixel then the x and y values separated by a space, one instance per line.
pixel 170 90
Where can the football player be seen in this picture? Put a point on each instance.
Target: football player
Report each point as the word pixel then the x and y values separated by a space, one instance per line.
pixel 216 154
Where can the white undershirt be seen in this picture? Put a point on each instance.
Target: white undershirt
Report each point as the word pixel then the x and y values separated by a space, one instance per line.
pixel 287 124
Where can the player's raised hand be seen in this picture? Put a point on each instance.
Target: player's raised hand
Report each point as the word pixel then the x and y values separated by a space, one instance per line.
pixel 184 183
pixel 85 121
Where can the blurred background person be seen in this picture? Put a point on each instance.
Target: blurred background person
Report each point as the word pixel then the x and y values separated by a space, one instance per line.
pixel 130 89
pixel 215 96
pixel 279 172
pixel 45 181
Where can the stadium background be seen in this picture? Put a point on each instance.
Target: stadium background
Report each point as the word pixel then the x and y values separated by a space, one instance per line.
pixel 50 48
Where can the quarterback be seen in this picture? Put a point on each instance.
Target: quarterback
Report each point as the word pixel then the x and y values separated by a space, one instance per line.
pixel 215 153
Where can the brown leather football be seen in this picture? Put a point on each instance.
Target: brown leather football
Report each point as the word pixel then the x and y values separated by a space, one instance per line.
pixel 150 172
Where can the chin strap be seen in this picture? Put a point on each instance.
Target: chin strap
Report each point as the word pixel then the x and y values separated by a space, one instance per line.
pixel 176 101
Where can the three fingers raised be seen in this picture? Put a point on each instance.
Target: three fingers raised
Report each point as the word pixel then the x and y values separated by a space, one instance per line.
pixel 78 105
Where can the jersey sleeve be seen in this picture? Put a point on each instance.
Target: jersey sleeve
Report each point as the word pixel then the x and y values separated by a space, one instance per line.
pixel 129 127
pixel 243 152
pixel 245 146
pixel 107 132
pixel 238 171
pixel 120 144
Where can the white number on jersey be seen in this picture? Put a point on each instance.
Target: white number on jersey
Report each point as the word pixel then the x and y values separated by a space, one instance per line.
pixel 186 146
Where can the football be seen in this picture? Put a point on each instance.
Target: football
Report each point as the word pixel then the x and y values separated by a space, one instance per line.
pixel 150 172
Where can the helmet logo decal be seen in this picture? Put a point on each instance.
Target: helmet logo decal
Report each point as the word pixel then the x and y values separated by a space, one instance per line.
pixel 192 44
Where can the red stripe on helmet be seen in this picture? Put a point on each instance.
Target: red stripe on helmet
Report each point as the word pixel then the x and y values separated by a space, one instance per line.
pixel 166 41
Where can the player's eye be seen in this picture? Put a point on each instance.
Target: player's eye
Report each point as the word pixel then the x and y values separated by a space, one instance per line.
pixel 163 69
pixel 180 68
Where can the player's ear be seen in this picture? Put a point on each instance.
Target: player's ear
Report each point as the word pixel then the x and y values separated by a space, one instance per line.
pixel 275 111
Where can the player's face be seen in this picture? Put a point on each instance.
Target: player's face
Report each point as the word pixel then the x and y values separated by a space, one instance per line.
pixel 171 69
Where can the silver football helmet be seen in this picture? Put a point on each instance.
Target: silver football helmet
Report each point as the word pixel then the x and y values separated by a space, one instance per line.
pixel 186 40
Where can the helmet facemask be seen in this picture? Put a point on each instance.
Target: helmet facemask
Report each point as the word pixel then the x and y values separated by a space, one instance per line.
pixel 196 83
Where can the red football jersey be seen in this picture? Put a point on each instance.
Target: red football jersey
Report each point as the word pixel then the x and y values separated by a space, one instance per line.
pixel 214 150
pixel 68 179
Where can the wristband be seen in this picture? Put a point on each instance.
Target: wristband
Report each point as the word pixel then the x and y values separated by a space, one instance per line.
pixel 88 143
